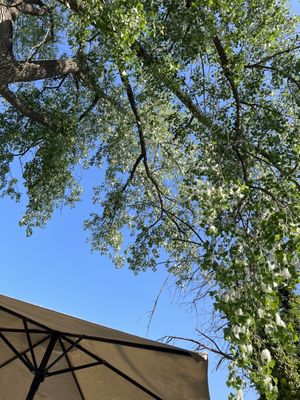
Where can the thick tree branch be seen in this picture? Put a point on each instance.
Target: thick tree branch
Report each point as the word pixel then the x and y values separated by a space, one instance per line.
pixel 184 98
pixel 29 71
pixel 9 96
pixel 228 74
pixel 25 7
pixel 12 71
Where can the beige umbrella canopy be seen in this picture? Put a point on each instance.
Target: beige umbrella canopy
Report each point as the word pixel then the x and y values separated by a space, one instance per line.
pixel 45 355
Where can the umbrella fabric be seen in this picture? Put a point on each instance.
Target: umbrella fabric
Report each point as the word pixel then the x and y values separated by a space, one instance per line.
pixel 46 355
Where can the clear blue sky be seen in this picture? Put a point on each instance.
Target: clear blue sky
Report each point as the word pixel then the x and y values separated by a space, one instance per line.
pixel 55 268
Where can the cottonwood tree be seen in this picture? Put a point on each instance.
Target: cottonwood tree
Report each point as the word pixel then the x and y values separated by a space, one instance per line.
pixel 192 109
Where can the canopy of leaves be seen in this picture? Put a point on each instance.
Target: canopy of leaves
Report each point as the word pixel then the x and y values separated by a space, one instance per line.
pixel 197 128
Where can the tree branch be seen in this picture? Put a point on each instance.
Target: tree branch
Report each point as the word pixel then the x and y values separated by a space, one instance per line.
pixel 28 148
pixel 151 314
pixel 138 121
pixel 201 345
pixel 265 59
pixel 90 108
pixel 132 172
pixel 228 74
pixel 26 7
pixel 149 60
pixel 179 93
pixel 22 108
pixel 29 71
pixel 269 68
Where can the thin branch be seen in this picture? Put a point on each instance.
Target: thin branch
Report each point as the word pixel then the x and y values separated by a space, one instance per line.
pixel 57 87
pixel 132 102
pixel 265 59
pixel 143 157
pixel 211 340
pixel 269 68
pixel 35 48
pixel 267 192
pixel 282 172
pixel 156 303
pixel 186 241
pixel 132 172
pixel 90 108
pixel 187 225
pixel 263 107
pixel 200 346
pixel 25 151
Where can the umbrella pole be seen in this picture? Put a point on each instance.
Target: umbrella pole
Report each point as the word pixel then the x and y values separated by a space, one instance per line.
pixel 39 375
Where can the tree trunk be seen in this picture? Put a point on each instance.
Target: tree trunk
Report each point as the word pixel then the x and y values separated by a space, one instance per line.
pixel 12 71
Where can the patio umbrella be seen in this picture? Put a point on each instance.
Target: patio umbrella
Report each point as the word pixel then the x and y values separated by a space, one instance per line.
pixel 46 355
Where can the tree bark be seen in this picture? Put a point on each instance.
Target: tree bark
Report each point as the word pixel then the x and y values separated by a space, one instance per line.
pixel 6 31
pixel 14 71
pixel 39 70
pixel 11 98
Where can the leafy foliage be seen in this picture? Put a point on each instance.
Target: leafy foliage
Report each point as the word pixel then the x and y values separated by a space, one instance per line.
pixel 198 131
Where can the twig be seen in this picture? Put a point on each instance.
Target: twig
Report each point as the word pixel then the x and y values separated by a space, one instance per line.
pixel 200 346
pixel 155 303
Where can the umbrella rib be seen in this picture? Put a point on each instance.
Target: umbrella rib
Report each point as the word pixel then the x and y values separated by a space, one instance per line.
pixel 172 350
pixel 39 375
pixel 116 370
pixel 24 352
pixel 72 369
pixel 72 372
pixel 30 344
pixel 65 351
pixel 22 357
pixel 28 360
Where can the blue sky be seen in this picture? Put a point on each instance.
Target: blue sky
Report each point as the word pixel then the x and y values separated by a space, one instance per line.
pixel 55 268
